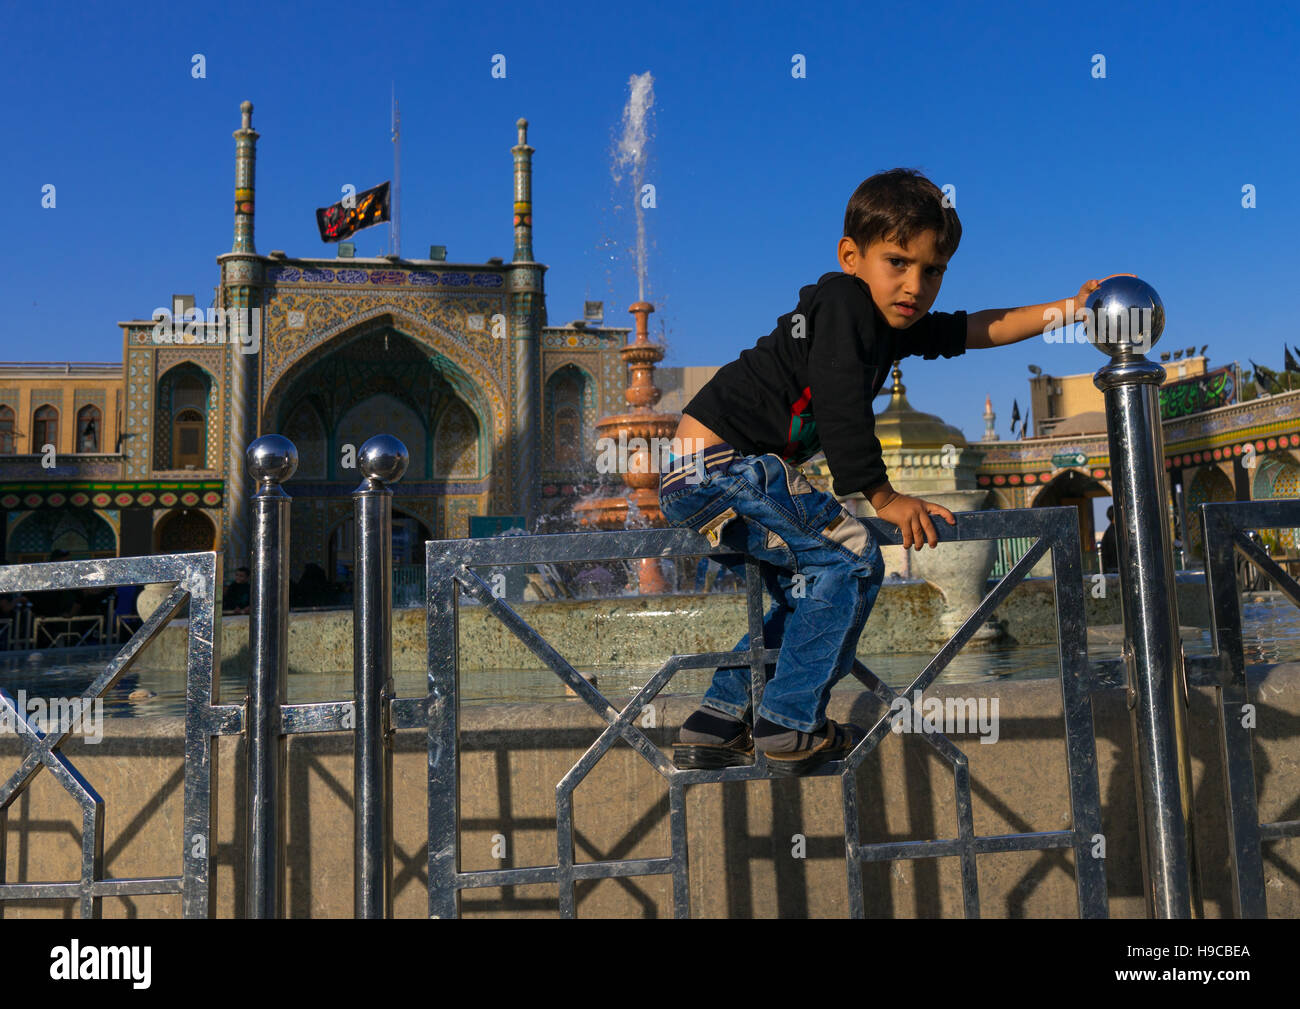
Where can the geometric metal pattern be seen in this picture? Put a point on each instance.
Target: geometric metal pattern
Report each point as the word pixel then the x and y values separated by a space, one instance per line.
pixel 448 565
pixel 196 576
pixel 1224 527
pixel 1057 528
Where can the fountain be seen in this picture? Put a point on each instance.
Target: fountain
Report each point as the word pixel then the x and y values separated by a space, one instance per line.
pixel 636 435
pixel 931 459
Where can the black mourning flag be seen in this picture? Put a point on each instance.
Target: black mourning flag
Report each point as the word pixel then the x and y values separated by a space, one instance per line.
pixel 1290 362
pixel 1265 378
pixel 340 221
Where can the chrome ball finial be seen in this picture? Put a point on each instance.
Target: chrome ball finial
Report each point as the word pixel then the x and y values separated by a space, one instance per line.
pixel 1125 316
pixel 272 458
pixel 383 458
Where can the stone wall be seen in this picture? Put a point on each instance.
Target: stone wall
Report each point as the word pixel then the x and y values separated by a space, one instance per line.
pixel 906 618
pixel 741 835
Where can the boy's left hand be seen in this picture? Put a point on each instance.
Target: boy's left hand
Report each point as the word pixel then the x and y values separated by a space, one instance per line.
pixel 912 516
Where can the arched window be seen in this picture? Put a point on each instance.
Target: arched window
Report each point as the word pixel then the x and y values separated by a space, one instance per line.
pixel 190 392
pixel 6 430
pixel 181 419
pixel 566 391
pixel 88 429
pixel 189 441
pixel 45 429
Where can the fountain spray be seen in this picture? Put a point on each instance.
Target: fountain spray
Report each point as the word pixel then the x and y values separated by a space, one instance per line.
pixel 630 155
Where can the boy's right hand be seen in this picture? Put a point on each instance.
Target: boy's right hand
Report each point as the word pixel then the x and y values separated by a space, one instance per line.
pixel 912 516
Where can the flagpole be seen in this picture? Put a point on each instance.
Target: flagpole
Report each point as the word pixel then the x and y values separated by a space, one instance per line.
pixel 395 223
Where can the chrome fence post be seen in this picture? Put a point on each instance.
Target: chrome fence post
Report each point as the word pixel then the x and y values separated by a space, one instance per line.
pixel 272 459
pixel 1125 319
pixel 382 460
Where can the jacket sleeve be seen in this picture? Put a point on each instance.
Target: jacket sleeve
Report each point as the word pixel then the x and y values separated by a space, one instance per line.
pixel 842 381
pixel 936 334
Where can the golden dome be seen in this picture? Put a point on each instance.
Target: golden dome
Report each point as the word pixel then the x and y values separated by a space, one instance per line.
pixel 900 425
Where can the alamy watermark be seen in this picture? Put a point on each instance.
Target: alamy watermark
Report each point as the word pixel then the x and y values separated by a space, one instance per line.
pixel 80 715
pixel 1132 326
pixel 949 715
pixel 239 326
pixel 75 962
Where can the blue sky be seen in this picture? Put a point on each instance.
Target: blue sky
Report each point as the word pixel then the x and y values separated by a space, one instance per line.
pixel 1059 176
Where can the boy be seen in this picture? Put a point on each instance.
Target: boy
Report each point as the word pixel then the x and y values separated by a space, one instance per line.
pixel 808 386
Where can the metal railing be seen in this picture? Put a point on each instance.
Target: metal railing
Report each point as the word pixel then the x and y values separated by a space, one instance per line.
pixel 196 576
pixel 450 574
pixel 67 632
pixel 18 634
pixel 1226 534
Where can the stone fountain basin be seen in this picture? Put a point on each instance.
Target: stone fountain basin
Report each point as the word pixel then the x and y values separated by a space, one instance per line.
pixel 959 571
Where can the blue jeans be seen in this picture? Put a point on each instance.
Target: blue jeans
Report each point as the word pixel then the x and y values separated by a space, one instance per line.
pixel 821 565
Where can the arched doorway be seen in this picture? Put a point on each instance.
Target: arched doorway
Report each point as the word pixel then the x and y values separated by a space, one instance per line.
pixel 378 381
pixel 1277 475
pixel 184 531
pixel 79 531
pixel 1071 487
pixel 1209 484
pixel 375 380
pixel 570 406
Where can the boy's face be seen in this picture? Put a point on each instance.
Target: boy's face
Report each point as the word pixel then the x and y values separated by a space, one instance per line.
pixel 899 276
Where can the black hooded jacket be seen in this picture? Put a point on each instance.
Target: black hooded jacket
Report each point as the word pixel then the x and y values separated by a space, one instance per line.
pixel 808 385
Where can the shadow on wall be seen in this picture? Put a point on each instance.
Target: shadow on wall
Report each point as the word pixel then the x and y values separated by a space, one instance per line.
pixel 758 849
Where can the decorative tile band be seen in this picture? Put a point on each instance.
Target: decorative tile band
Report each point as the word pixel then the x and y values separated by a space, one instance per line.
pixel 207 493
pixel 1207 456
pixel 384 278
pixel 1032 479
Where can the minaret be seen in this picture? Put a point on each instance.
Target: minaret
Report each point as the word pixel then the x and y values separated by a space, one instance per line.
pixel 527 306
pixel 523 195
pixel 989 417
pixel 242 274
pixel 245 169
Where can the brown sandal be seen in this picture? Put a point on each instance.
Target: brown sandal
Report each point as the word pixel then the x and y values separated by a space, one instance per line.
pixel 735 752
pixel 837 744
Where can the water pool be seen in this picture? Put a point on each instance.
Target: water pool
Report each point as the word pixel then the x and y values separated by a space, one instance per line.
pixel 1271 633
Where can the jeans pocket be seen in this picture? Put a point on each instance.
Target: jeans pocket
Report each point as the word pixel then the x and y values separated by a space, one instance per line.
pixel 847 532
pixel 795 480
pixel 713 528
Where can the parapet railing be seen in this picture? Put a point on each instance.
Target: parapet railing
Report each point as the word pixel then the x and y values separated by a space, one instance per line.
pixel 450 573
pixel 1225 527
pixel 16 630
pixel 67 632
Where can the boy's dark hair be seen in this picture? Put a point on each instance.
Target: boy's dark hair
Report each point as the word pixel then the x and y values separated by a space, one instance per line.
pixel 898 205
